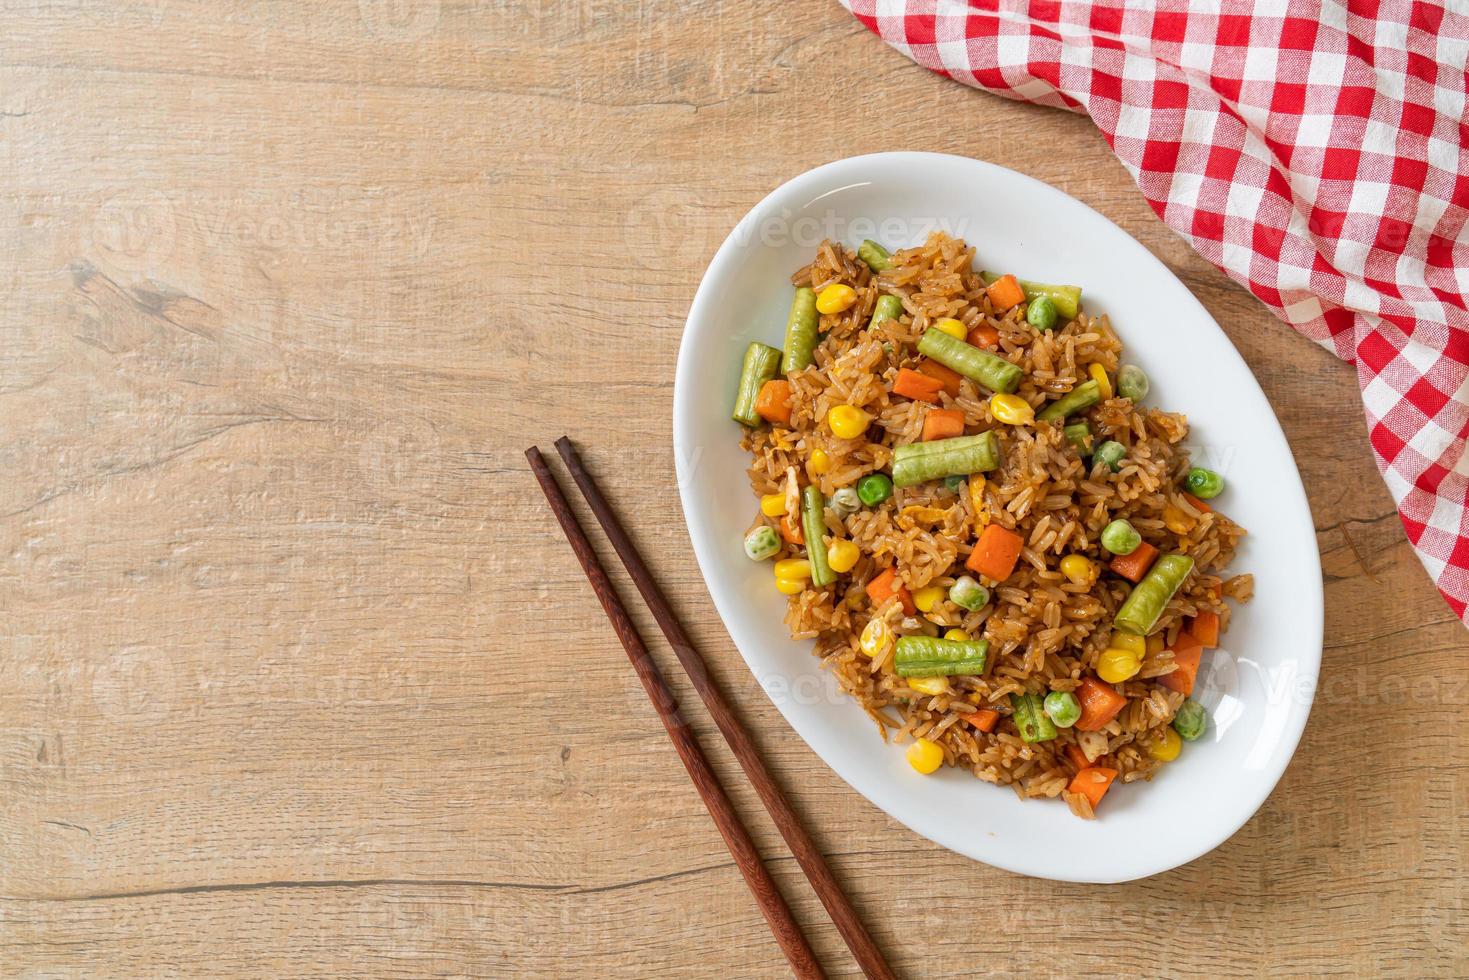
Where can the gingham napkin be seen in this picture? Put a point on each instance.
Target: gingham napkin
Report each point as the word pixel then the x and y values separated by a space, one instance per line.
pixel 1318 157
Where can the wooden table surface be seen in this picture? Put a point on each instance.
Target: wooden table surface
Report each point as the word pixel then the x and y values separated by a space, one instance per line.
pixel 299 677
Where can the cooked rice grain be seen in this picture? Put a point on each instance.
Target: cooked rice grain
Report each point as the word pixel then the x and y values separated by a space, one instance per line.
pixel 1045 633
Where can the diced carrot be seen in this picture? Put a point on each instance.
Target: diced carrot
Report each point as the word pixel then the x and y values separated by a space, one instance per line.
pixel 1077 756
pixel 942 423
pixel 984 335
pixel 1205 629
pixel 995 553
pixel 884 587
pixel 880 589
pixel 919 387
pixel 984 719
pixel 947 375
pixel 1005 292
pixel 1100 703
pixel 1134 566
pixel 1187 651
pixel 791 530
pixel 1093 783
pixel 773 403
pixel 1199 505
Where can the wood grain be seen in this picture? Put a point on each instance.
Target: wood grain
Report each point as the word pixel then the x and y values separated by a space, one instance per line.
pixel 297 680
pixel 807 854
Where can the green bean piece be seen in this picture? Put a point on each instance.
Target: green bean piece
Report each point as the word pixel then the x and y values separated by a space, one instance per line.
pixel 1191 720
pixel 1079 399
pixel 762 543
pixel 761 362
pixel 845 502
pixel 954 483
pixel 1139 614
pixel 1132 382
pixel 801 336
pixel 930 656
pixel 1121 538
pixel 1062 708
pixel 1041 313
pixel 980 366
pixel 1066 298
pixel 813 523
pixel 959 456
pixel 967 593
pixel 878 259
pixel 1111 453
pixel 886 308
pixel 1030 717
pixel 1204 484
pixel 874 488
pixel 1079 434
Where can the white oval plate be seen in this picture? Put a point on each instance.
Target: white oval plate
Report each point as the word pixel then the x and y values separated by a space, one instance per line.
pixel 1258 687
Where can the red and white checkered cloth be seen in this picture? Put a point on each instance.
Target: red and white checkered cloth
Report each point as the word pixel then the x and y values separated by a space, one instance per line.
pixel 1317 156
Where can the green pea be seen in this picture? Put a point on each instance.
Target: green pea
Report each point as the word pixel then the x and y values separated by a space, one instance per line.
pixel 845 502
pixel 878 259
pixel 1111 453
pixel 762 543
pixel 1121 538
pixel 1132 382
pixel 874 488
pixel 966 593
pixel 1062 708
pixel 1204 484
pixel 1041 313
pixel 1191 720
pixel 954 483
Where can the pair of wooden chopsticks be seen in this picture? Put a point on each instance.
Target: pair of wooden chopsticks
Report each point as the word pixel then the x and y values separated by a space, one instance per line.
pixel 741 848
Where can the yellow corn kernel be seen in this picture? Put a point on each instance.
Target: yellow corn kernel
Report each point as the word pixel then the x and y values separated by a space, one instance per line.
pixel 1176 520
pixel 842 555
pixel 957 634
pixel 818 463
pixel 1099 375
pixel 1165 747
pixel 952 327
pixel 773 504
pixel 790 586
pixel 925 756
pixel 1012 409
pixel 847 422
pixel 926 599
pixel 1155 644
pixel 876 636
pixel 976 498
pixel 793 568
pixel 1131 642
pixel 929 685
pixel 1079 569
pixel 1115 666
pixel 836 298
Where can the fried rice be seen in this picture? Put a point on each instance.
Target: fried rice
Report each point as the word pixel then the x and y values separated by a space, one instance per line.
pixel 1045 631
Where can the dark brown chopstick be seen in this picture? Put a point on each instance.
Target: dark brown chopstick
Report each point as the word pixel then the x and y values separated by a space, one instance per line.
pixel 868 956
pixel 741 848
